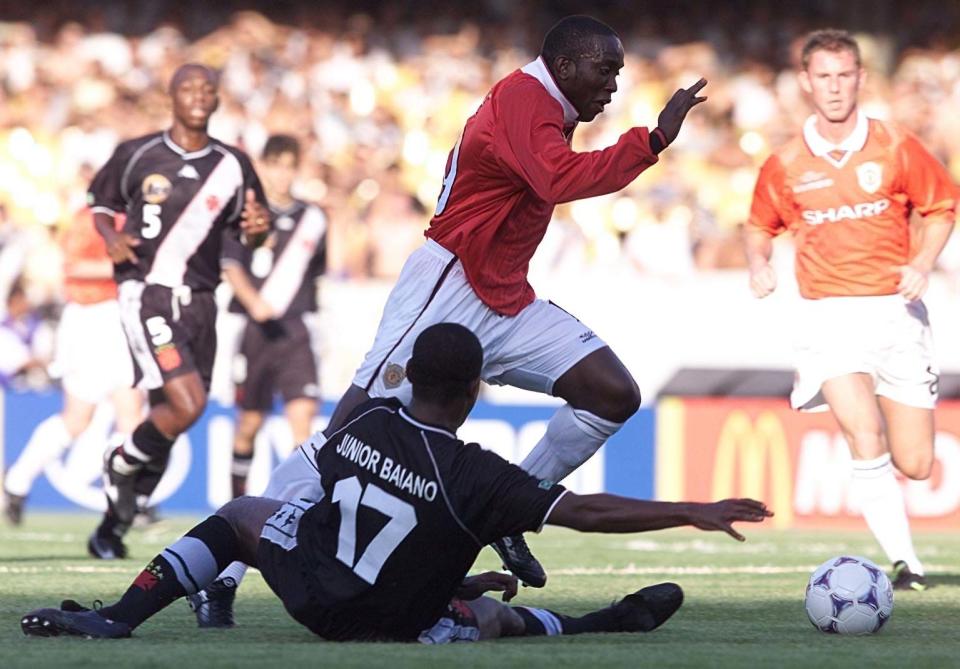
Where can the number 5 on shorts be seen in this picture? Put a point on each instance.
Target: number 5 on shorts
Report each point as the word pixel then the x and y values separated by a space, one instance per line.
pixel 349 493
pixel 160 332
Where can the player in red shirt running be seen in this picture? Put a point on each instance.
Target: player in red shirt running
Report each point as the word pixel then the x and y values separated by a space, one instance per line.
pixel 511 166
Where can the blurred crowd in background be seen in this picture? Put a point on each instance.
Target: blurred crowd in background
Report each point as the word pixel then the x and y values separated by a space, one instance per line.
pixel 378 92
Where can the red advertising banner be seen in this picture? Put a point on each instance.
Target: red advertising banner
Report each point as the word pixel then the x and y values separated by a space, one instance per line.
pixel 798 463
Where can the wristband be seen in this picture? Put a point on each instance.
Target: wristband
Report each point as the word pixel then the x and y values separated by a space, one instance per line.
pixel 658 140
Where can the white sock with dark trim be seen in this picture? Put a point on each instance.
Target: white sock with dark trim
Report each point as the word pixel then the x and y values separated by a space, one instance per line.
pixel 183 568
pixel 236 571
pixel 539 622
pixel 874 487
pixel 572 437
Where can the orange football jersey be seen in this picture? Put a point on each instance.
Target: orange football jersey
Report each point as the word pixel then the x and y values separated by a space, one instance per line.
pixel 848 206
pixel 82 243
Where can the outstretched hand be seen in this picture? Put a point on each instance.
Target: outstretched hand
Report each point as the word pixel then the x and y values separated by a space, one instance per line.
pixel 488 581
pixel 721 515
pixel 685 99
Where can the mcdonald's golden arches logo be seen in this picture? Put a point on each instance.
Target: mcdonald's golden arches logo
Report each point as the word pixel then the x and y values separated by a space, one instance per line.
pixel 760 448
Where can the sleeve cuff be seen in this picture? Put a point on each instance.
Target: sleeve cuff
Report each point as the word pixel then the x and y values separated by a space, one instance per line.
pixel 99 209
pixel 550 510
pixel 658 140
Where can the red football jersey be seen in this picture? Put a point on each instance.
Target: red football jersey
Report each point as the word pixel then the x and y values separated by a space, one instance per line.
pixel 850 215
pixel 81 243
pixel 511 166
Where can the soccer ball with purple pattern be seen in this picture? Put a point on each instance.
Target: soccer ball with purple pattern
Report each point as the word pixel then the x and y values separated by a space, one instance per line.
pixel 849 595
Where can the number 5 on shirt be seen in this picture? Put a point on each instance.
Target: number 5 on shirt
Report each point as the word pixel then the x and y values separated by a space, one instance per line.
pixel 151 221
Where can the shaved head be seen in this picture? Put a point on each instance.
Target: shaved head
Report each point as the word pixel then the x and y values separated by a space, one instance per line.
pixel 584 56
pixel 188 70
pixel 576 37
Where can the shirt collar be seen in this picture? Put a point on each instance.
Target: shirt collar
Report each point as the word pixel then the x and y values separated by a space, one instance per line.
pixel 289 210
pixel 539 71
pixel 182 152
pixel 424 426
pixel 820 147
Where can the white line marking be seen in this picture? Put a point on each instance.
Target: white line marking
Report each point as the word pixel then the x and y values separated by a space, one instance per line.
pixel 76 569
pixel 634 570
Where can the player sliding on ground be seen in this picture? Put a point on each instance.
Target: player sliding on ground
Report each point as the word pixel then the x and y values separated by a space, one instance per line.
pixel 400 510
pixel 512 164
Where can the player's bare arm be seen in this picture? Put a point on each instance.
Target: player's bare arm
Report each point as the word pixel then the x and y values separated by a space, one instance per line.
pixel 611 513
pixel 258 308
pixel 677 108
pixel 759 247
pixel 915 275
pixel 120 246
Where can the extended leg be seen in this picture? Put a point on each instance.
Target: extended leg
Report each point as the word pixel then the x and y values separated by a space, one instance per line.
pixel 134 469
pixel 182 568
pixel 49 439
pixel 642 611
pixel 910 435
pixel 601 395
pixel 874 486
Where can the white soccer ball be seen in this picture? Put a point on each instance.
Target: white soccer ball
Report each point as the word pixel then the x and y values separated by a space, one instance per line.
pixel 849 595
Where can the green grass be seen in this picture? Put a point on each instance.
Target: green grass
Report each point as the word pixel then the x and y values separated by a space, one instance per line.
pixel 743 606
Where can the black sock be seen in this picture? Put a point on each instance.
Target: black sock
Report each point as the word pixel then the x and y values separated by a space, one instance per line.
pixel 152 442
pixel 148 478
pixel 541 622
pixel 183 568
pixel 147 444
pixel 239 469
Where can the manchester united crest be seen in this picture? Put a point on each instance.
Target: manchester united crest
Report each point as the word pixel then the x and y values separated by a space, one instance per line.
pixel 156 188
pixel 393 375
pixel 870 176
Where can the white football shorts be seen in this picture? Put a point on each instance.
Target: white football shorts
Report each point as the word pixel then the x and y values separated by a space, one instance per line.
pixel 297 477
pixel 92 357
pixel 884 336
pixel 530 350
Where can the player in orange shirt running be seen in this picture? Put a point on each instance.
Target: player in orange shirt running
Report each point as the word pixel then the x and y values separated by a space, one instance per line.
pixel 91 359
pixel 846 188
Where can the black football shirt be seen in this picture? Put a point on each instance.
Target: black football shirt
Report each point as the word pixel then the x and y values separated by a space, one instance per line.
pixel 284 269
pixel 406 509
pixel 177 204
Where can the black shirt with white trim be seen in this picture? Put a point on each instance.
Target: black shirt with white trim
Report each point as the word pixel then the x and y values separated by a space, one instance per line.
pixel 407 507
pixel 284 269
pixel 178 204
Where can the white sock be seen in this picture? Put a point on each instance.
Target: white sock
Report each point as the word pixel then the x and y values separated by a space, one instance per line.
pixel 49 439
pixel 875 488
pixel 235 570
pixel 572 436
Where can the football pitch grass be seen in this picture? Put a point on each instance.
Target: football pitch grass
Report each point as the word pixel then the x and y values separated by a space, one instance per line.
pixel 743 606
